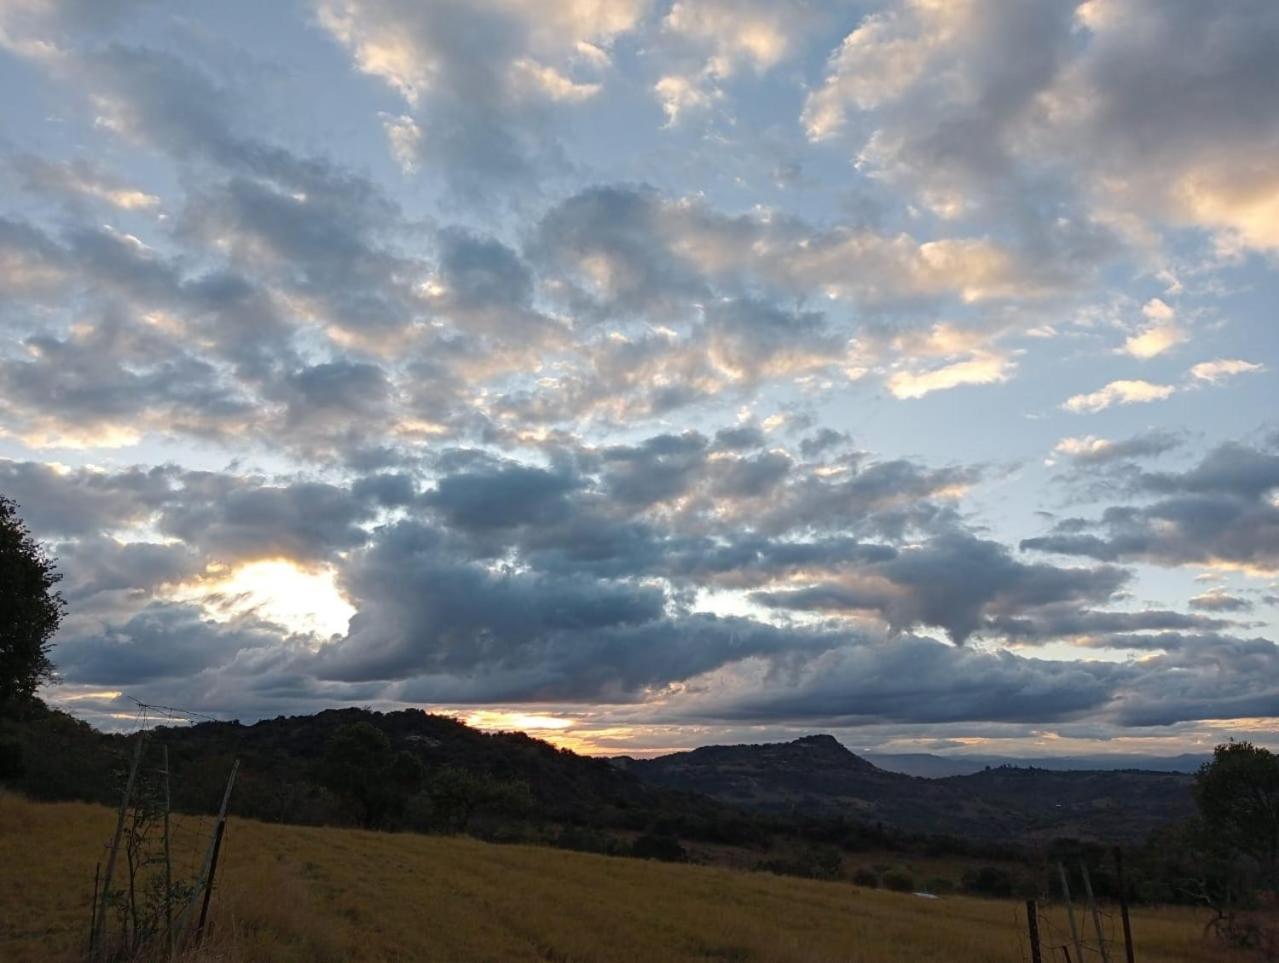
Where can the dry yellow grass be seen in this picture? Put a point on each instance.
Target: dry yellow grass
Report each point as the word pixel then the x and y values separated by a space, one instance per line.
pixel 298 893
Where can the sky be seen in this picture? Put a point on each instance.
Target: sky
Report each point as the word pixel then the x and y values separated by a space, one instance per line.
pixel 653 374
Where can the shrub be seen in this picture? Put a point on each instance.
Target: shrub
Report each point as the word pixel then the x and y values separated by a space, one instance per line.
pixel 865 876
pixel 10 759
pixel 822 862
pixel 899 881
pixel 988 881
pixel 939 886
pixel 658 846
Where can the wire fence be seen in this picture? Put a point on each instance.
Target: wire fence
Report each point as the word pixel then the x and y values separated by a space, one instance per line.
pixel 152 884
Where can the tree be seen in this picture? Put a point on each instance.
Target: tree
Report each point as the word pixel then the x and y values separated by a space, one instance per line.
pixel 356 763
pixel 30 609
pixel 1238 797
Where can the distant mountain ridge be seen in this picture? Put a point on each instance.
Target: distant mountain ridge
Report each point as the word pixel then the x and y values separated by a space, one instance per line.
pixel 819 775
pixel 934 766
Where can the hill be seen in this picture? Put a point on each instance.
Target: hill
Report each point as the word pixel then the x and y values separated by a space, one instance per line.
pixel 817 774
pixel 434 773
pixel 933 766
pixel 290 893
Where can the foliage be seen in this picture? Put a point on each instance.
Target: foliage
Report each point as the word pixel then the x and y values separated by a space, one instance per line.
pixel 1235 846
pixel 30 609
pixel 988 881
pixel 899 881
pixel 865 876
pixel 812 862
pixel 658 846
pixel 1238 796
pixel 360 767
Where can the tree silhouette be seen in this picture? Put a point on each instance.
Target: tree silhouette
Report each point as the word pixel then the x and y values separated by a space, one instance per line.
pixel 1238 797
pixel 30 609
pixel 360 767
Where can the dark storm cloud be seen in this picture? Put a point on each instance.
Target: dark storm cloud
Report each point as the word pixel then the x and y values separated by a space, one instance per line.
pixel 955 582
pixel 162 641
pixel 83 502
pixel 741 438
pixel 661 468
pixel 1204 677
pixel 1053 623
pixel 920 680
pixel 93 565
pixel 237 519
pixel 502 496
pixel 421 608
pixel 223 517
pixel 1218 511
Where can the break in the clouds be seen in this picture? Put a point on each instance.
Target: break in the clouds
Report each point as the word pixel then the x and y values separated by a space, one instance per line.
pixel 678 367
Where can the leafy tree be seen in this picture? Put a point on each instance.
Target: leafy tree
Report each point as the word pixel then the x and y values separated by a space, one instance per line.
pixel 356 767
pixel 30 609
pixel 1238 797
pixel 458 794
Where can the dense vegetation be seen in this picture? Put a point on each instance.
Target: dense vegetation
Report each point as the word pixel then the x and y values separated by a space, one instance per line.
pixel 30 608
pixel 416 771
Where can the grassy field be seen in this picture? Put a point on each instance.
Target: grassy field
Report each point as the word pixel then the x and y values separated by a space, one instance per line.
pixel 298 893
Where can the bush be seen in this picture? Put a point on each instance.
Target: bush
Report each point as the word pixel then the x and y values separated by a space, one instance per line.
pixel 988 881
pixel 657 846
pixel 585 840
pixel 821 862
pixel 10 759
pixel 864 876
pixel 939 886
pixel 899 882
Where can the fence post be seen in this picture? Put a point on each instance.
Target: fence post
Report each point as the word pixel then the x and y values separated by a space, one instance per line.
pixel 211 861
pixel 1070 912
pixel 1096 917
pixel 1123 904
pixel 115 841
pixel 93 907
pixel 1032 921
pixel 168 864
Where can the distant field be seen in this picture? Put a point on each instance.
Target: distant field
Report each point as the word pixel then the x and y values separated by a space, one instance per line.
pixel 297 893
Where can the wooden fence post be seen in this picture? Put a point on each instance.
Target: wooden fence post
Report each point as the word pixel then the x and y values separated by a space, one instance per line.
pixel 1070 911
pixel 1032 921
pixel 211 860
pixel 93 907
pixel 168 864
pixel 1096 917
pixel 115 841
pixel 1123 904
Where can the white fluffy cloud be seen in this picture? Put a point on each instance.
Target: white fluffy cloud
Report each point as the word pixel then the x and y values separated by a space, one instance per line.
pixel 1118 393
pixel 1222 368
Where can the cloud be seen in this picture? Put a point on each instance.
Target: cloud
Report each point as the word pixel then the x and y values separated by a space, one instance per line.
pixel 1118 392
pixel 1222 368
pixel 1220 601
pixel 404 137
pixel 954 581
pixel 83 179
pixel 982 369
pixel 1092 450
pixel 957 100
pixel 1218 513
pixel 921 680
pixel 478 77
pixel 1160 335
